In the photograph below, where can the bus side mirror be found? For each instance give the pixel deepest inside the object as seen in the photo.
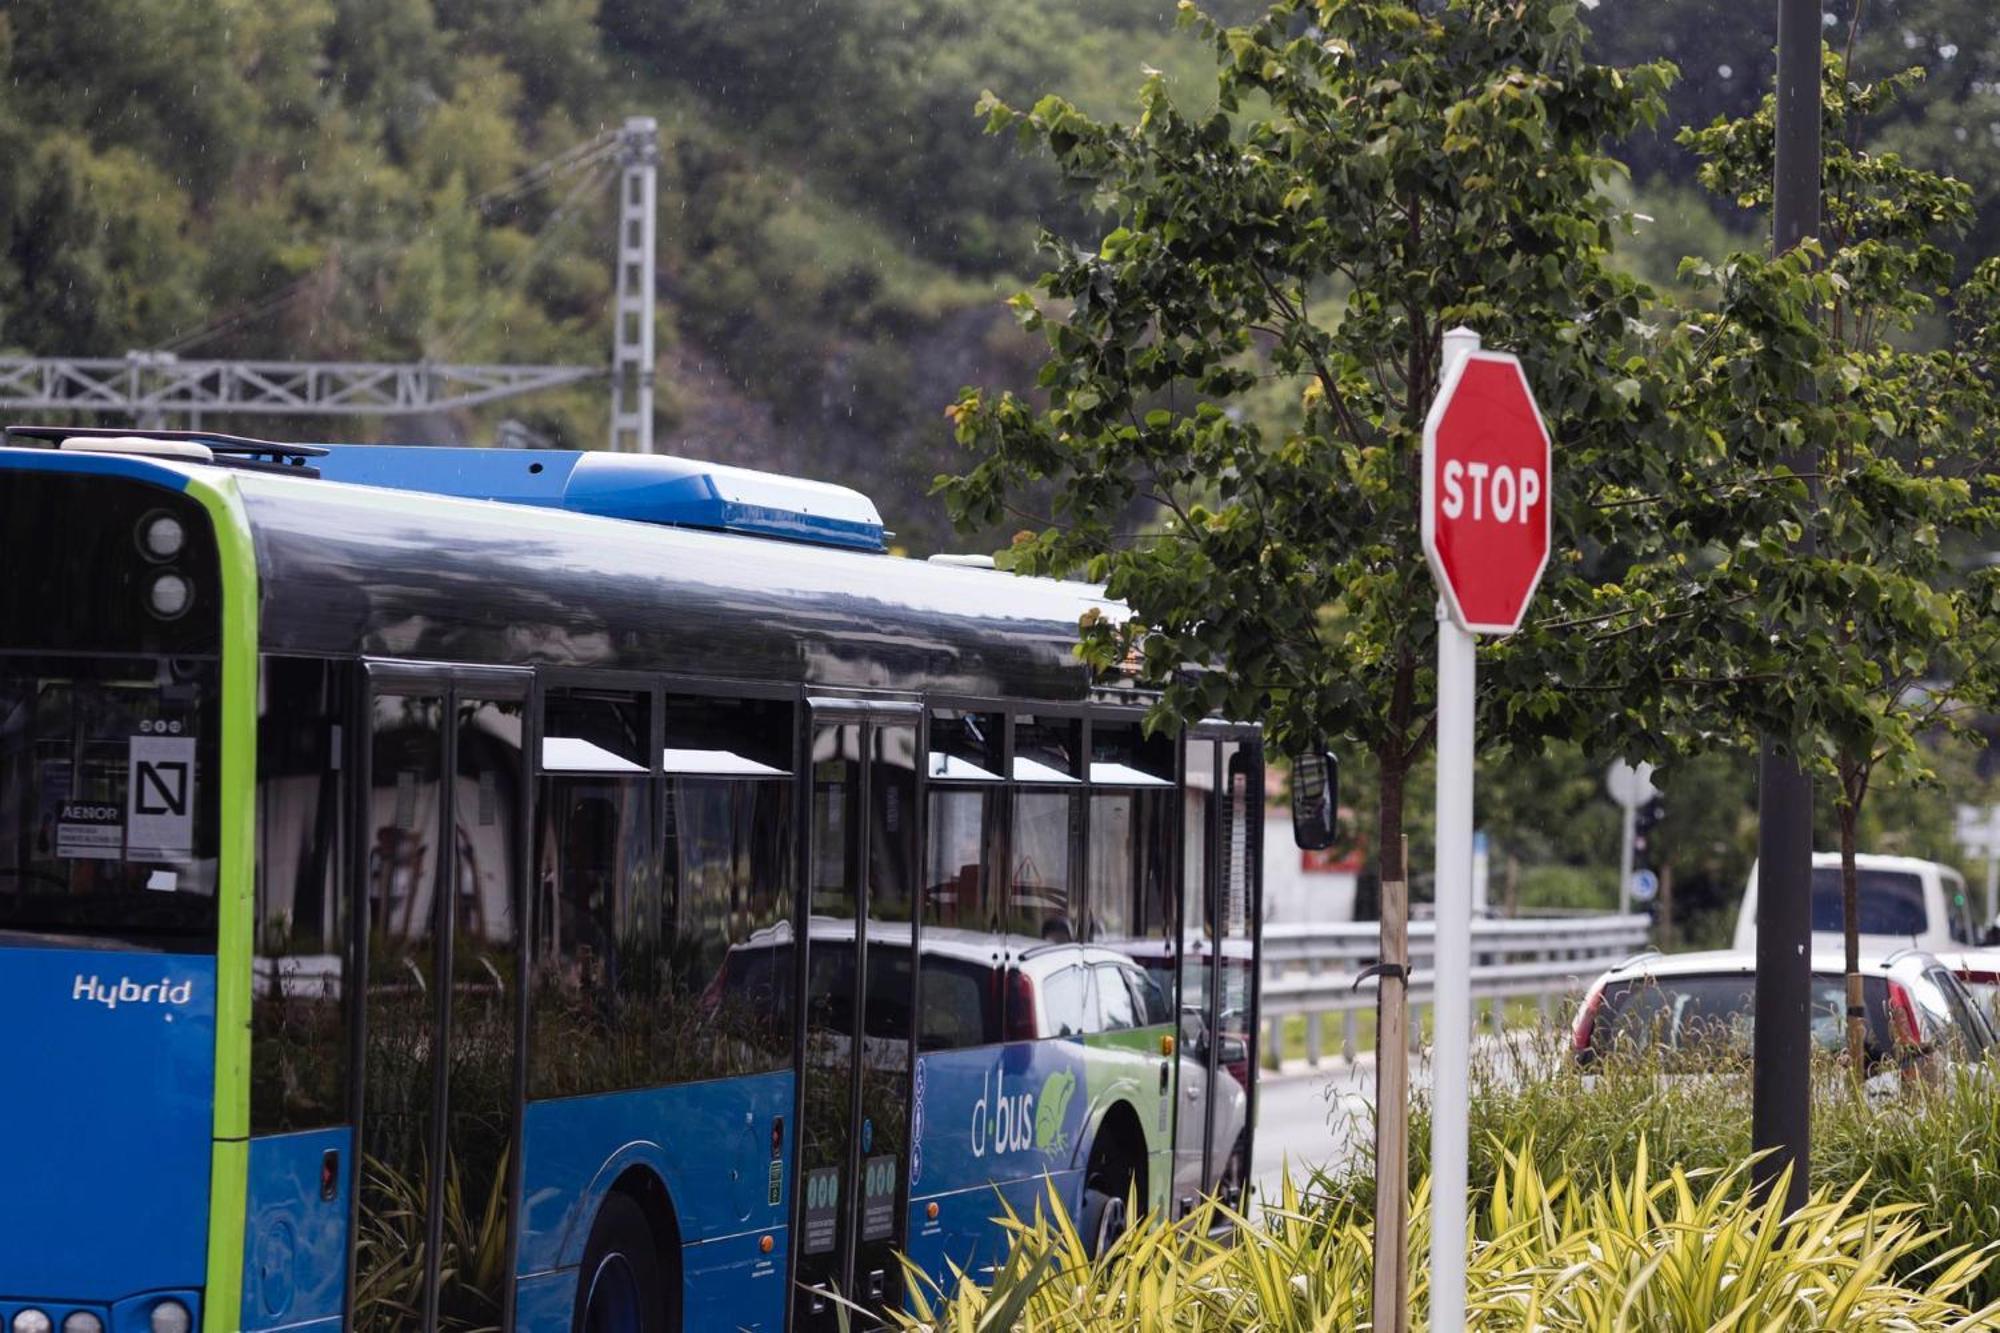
(1315, 799)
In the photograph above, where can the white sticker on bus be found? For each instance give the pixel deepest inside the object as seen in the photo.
(159, 797)
(86, 831)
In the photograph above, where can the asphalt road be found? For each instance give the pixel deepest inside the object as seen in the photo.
(1310, 1119)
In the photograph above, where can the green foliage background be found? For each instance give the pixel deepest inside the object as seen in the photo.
(835, 227)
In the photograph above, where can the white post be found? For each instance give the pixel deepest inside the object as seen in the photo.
(1630, 804)
(1451, 1053)
(1992, 866)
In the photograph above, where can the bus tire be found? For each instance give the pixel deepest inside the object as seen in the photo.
(619, 1288)
(1108, 1185)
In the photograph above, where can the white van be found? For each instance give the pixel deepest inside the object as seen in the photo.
(1904, 903)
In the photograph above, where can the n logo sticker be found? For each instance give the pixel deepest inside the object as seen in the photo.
(159, 800)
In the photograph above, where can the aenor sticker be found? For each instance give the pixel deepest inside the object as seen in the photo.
(159, 797)
(87, 831)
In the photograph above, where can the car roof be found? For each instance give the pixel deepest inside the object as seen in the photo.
(1718, 962)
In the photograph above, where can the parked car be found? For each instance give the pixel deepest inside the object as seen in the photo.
(1905, 903)
(1698, 1010)
(1979, 971)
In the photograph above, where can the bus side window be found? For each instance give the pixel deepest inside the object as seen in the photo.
(299, 1046)
(596, 895)
(727, 866)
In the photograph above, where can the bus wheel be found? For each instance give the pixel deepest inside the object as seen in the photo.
(619, 1288)
(1106, 1187)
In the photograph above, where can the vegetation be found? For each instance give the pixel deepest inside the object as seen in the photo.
(1640, 1247)
(1931, 1147)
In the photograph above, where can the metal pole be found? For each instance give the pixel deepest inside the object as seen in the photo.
(1631, 807)
(1992, 867)
(1782, 1045)
(1451, 1049)
(632, 308)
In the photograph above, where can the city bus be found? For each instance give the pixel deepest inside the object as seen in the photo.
(470, 889)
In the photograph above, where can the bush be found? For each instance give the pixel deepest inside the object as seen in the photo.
(1934, 1147)
(1679, 1251)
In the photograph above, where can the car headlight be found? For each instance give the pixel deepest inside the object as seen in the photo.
(32, 1321)
(83, 1321)
(171, 1317)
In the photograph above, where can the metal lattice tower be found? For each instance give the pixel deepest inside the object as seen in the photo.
(632, 314)
(152, 386)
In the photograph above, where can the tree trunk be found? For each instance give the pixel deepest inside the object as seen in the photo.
(1850, 927)
(1392, 1056)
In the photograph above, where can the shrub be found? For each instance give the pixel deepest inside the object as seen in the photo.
(1683, 1251)
(1931, 1145)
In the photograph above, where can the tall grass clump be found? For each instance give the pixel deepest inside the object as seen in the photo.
(1646, 1250)
(1931, 1143)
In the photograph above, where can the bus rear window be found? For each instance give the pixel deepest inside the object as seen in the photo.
(108, 800)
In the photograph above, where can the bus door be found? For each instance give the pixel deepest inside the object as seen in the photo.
(444, 841)
(1221, 846)
(852, 1165)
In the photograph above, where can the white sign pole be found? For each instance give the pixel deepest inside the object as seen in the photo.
(1451, 1051)
(1631, 833)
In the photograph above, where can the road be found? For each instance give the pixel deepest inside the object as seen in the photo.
(1307, 1120)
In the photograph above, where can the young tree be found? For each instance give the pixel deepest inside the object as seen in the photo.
(1374, 173)
(1883, 640)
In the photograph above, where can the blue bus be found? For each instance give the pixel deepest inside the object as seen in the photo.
(467, 889)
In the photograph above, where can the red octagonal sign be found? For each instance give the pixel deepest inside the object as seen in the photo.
(1486, 492)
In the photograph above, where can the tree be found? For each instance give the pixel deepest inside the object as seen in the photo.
(1881, 641)
(1376, 172)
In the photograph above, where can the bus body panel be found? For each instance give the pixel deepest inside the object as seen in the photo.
(349, 569)
(709, 1143)
(295, 1236)
(965, 1236)
(110, 1060)
(1008, 1118)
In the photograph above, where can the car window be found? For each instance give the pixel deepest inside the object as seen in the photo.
(1065, 1003)
(1715, 1015)
(1890, 902)
(1147, 997)
(1116, 1011)
(1957, 907)
(1966, 1025)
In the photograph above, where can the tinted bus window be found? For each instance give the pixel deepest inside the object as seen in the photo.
(109, 792)
(597, 898)
(1046, 824)
(298, 1030)
(727, 863)
(959, 892)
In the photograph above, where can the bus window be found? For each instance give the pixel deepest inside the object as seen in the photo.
(1038, 890)
(958, 883)
(726, 860)
(488, 808)
(297, 1022)
(83, 850)
(596, 898)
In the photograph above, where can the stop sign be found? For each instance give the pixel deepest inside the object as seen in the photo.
(1486, 492)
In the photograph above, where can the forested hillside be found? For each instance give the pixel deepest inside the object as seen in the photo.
(357, 179)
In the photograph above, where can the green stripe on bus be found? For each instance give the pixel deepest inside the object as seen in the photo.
(228, 1191)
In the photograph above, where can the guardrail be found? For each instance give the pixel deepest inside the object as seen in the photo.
(1312, 970)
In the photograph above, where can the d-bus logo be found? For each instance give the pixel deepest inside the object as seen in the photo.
(1010, 1122)
(111, 994)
